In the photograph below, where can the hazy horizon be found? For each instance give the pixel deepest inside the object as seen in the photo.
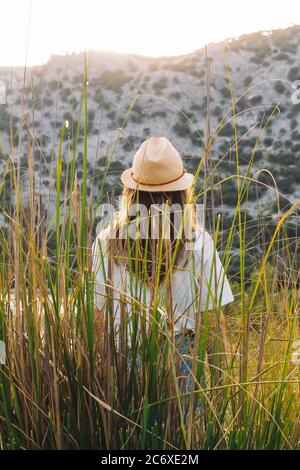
(70, 53)
(154, 29)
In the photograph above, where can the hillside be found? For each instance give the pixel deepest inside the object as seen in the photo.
(262, 67)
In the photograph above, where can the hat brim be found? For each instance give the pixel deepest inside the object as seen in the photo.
(182, 183)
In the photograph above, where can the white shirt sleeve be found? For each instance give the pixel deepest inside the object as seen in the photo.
(215, 288)
(98, 262)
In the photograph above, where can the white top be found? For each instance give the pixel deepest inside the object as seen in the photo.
(185, 283)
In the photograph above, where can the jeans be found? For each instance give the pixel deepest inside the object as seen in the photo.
(184, 342)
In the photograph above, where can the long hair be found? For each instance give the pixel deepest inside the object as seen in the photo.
(167, 228)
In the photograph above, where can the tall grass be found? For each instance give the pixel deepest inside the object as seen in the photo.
(65, 385)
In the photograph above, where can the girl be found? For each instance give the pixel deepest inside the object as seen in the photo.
(154, 257)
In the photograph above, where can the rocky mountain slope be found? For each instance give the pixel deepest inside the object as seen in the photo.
(261, 69)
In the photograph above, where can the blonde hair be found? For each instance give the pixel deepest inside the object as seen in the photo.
(143, 254)
(149, 257)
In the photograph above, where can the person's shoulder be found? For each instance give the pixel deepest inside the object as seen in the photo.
(202, 246)
(202, 239)
(100, 240)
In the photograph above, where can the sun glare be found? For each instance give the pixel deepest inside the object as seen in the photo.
(169, 27)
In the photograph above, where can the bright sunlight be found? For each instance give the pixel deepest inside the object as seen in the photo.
(35, 29)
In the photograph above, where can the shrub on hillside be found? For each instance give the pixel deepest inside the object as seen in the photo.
(160, 84)
(279, 87)
(225, 92)
(176, 95)
(268, 141)
(255, 100)
(6, 121)
(182, 128)
(282, 56)
(248, 80)
(286, 158)
(162, 114)
(295, 135)
(113, 80)
(285, 183)
(196, 107)
(294, 74)
(48, 102)
(65, 94)
(293, 124)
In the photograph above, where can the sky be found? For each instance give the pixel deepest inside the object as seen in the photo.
(32, 30)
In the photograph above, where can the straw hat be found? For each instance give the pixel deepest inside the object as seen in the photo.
(157, 166)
